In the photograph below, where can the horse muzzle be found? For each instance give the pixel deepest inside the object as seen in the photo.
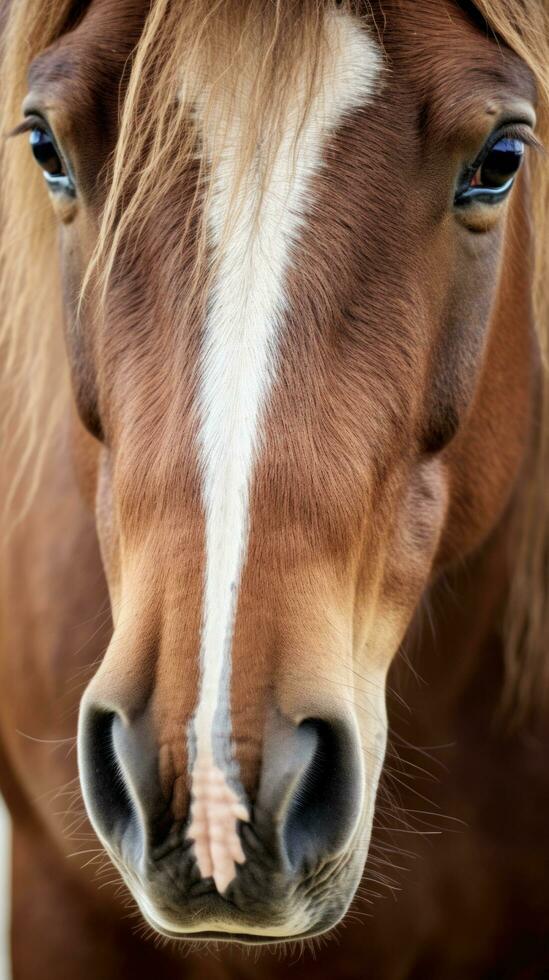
(302, 847)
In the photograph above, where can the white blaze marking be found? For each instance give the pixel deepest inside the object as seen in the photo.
(246, 311)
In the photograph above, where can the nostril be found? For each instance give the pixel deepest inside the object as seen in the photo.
(324, 805)
(105, 789)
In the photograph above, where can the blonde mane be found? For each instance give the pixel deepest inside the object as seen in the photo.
(215, 43)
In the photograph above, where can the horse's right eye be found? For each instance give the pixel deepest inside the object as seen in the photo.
(49, 160)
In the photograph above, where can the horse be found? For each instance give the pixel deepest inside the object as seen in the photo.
(275, 523)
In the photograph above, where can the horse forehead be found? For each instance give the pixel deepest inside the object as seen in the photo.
(248, 295)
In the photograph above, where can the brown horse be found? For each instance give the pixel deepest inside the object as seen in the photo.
(275, 414)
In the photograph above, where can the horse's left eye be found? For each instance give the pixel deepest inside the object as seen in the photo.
(495, 175)
(49, 159)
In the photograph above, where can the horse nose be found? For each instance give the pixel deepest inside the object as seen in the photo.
(311, 790)
(302, 813)
(118, 763)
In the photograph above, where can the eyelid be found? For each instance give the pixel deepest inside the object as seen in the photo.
(32, 121)
(518, 131)
(29, 123)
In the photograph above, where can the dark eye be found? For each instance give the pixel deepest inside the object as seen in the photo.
(49, 159)
(493, 176)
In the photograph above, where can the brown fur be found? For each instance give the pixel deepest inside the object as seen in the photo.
(399, 461)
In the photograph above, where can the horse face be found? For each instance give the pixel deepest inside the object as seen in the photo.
(278, 475)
